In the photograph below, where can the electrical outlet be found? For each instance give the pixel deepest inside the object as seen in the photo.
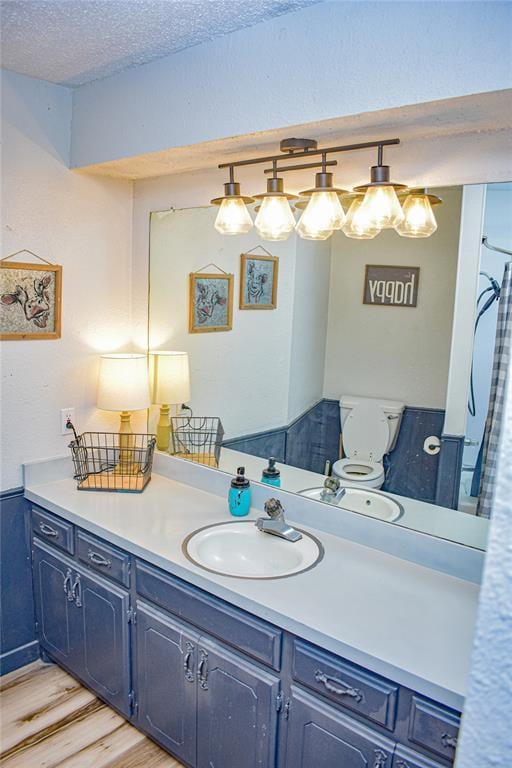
(66, 414)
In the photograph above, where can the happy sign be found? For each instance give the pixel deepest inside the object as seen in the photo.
(391, 286)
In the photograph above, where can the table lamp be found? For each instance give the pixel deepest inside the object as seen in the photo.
(123, 385)
(171, 386)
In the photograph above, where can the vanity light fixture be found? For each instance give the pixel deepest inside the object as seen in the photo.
(373, 207)
(381, 204)
(357, 222)
(274, 220)
(419, 219)
(233, 217)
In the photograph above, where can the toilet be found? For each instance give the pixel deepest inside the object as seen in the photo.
(369, 428)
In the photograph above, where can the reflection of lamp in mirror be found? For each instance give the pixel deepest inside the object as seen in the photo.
(123, 385)
(419, 219)
(171, 386)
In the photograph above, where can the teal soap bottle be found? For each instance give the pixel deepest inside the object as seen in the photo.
(239, 498)
(271, 475)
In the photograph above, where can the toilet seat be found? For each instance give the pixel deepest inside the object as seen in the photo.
(359, 471)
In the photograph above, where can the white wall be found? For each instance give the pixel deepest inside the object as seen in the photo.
(453, 49)
(84, 224)
(309, 325)
(394, 352)
(240, 375)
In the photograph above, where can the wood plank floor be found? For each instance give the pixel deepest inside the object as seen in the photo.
(48, 719)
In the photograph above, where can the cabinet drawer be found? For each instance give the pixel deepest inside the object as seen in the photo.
(254, 637)
(433, 727)
(346, 684)
(103, 558)
(54, 530)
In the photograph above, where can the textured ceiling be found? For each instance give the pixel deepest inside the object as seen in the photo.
(72, 42)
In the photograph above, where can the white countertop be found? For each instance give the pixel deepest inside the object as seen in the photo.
(405, 621)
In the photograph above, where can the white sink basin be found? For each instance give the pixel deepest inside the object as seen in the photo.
(371, 503)
(240, 549)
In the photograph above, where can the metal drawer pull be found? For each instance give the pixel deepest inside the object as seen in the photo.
(202, 670)
(47, 530)
(338, 686)
(99, 559)
(449, 742)
(67, 585)
(189, 672)
(76, 591)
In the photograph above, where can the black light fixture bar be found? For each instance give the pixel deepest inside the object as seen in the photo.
(311, 152)
(301, 167)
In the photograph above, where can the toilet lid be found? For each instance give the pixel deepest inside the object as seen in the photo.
(366, 433)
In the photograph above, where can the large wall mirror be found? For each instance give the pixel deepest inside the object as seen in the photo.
(334, 358)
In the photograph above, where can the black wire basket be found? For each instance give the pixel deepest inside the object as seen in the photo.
(109, 461)
(197, 438)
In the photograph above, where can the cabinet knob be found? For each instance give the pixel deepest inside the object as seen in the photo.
(202, 670)
(333, 685)
(47, 530)
(67, 585)
(98, 559)
(76, 591)
(187, 666)
(449, 742)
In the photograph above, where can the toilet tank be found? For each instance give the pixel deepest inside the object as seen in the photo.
(391, 410)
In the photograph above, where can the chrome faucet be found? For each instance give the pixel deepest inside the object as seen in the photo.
(332, 490)
(275, 523)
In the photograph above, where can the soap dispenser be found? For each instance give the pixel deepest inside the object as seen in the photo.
(271, 475)
(240, 494)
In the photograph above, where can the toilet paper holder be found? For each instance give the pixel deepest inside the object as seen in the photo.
(432, 445)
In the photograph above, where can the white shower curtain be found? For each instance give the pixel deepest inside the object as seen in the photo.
(500, 371)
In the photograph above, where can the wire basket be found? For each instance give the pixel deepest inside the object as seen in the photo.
(197, 438)
(109, 461)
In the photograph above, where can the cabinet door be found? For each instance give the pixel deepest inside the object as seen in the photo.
(321, 737)
(52, 592)
(166, 664)
(101, 610)
(236, 710)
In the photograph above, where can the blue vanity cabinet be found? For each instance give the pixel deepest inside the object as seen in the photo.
(407, 758)
(237, 710)
(102, 612)
(83, 623)
(58, 631)
(320, 736)
(166, 685)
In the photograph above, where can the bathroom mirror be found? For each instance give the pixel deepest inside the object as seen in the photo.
(317, 373)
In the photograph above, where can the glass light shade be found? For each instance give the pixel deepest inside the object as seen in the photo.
(170, 378)
(419, 219)
(233, 217)
(303, 230)
(382, 207)
(123, 383)
(275, 219)
(323, 212)
(357, 223)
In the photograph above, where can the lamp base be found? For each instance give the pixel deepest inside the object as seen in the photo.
(126, 465)
(163, 429)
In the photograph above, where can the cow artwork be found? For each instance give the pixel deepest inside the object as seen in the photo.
(29, 301)
(258, 282)
(211, 302)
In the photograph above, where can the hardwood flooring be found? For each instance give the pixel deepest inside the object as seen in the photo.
(48, 719)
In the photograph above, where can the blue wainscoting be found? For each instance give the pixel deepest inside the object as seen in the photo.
(18, 643)
(313, 438)
(449, 471)
(409, 470)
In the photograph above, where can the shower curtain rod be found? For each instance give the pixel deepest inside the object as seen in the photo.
(495, 248)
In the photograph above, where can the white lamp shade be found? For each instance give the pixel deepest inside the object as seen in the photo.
(171, 378)
(123, 383)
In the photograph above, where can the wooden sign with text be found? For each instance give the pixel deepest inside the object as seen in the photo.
(390, 286)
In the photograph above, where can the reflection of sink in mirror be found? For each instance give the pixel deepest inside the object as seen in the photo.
(359, 500)
(240, 549)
